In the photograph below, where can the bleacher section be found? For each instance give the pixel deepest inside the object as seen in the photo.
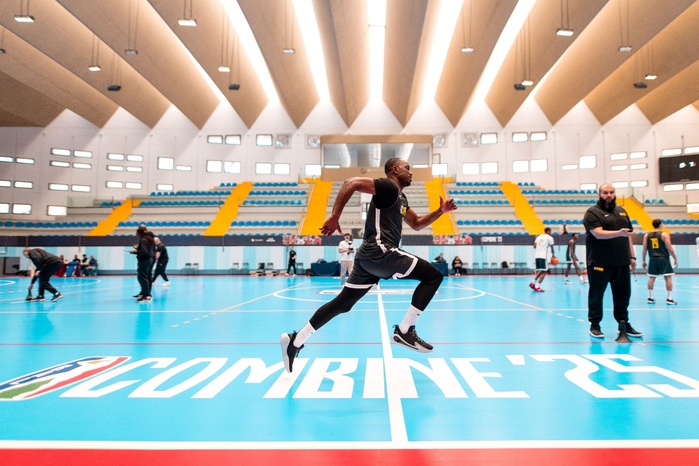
(279, 208)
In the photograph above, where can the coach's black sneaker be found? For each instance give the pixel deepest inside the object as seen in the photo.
(39, 298)
(410, 340)
(289, 351)
(596, 331)
(632, 332)
(56, 297)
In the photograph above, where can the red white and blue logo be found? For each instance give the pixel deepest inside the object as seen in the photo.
(60, 376)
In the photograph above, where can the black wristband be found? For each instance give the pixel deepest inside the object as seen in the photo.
(633, 258)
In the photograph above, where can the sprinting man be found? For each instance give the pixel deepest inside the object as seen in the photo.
(572, 260)
(542, 244)
(659, 248)
(379, 256)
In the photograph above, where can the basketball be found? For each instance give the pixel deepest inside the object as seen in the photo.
(554, 260)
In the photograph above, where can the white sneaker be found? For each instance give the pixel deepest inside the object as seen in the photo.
(567, 282)
(165, 283)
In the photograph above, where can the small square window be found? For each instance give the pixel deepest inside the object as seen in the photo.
(5, 184)
(166, 163)
(164, 187)
(638, 155)
(58, 187)
(588, 161)
(134, 158)
(80, 188)
(4, 208)
(489, 138)
(131, 185)
(115, 184)
(520, 137)
(233, 139)
(619, 156)
(113, 156)
(214, 139)
(214, 166)
(263, 168)
(61, 152)
(537, 136)
(82, 153)
(57, 210)
(264, 140)
(231, 167)
(22, 209)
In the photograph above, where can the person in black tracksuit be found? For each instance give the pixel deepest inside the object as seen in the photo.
(610, 259)
(46, 265)
(161, 260)
(145, 252)
(378, 256)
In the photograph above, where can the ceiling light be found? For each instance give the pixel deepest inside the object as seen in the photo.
(625, 48)
(131, 52)
(565, 32)
(187, 22)
(24, 18)
(224, 69)
(466, 49)
(640, 85)
(288, 51)
(527, 82)
(94, 68)
(651, 76)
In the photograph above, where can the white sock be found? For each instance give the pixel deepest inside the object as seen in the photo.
(650, 294)
(304, 334)
(669, 295)
(410, 318)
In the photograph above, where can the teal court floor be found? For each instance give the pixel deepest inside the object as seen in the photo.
(195, 377)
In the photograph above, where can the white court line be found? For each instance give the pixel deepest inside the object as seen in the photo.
(395, 406)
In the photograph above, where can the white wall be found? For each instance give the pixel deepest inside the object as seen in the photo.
(578, 133)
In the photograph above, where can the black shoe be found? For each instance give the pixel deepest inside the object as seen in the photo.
(56, 297)
(289, 351)
(138, 296)
(29, 297)
(632, 332)
(410, 340)
(596, 331)
(671, 301)
(145, 299)
(651, 301)
(39, 298)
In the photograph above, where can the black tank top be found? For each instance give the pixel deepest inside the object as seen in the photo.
(384, 221)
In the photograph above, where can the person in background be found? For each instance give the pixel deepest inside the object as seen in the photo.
(145, 252)
(440, 258)
(542, 244)
(83, 265)
(659, 248)
(572, 260)
(161, 260)
(378, 257)
(610, 260)
(92, 266)
(46, 265)
(456, 265)
(346, 249)
(292, 261)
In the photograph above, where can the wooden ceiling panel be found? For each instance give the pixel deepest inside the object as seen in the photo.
(536, 49)
(213, 27)
(23, 106)
(462, 71)
(34, 69)
(275, 27)
(594, 56)
(161, 59)
(343, 27)
(667, 54)
(671, 96)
